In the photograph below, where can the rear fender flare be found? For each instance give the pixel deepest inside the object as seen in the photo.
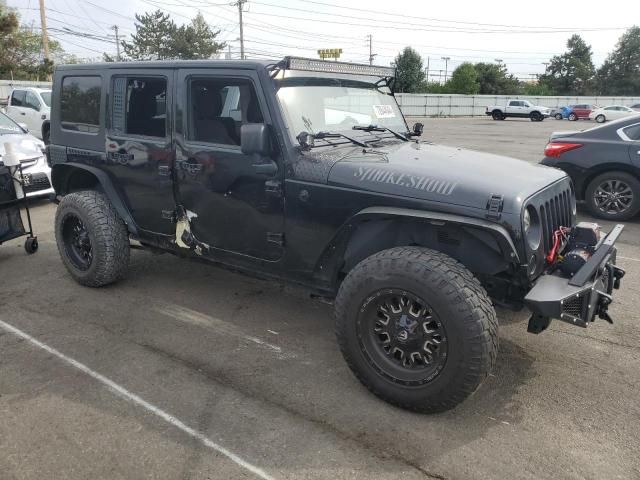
(61, 173)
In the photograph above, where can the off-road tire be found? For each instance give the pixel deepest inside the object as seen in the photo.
(106, 231)
(497, 115)
(632, 182)
(458, 299)
(573, 117)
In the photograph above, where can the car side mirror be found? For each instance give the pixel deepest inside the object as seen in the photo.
(418, 128)
(254, 139)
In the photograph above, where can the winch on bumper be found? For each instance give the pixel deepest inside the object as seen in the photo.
(578, 297)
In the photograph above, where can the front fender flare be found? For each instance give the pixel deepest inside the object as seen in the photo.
(329, 263)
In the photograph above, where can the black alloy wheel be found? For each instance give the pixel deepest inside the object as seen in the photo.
(497, 115)
(402, 337)
(77, 242)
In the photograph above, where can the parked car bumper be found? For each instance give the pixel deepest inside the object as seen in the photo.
(580, 299)
(37, 179)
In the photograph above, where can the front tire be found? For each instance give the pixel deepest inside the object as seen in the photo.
(92, 239)
(416, 328)
(600, 118)
(536, 117)
(558, 116)
(573, 117)
(613, 196)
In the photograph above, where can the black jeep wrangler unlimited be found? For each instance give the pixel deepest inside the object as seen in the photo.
(305, 171)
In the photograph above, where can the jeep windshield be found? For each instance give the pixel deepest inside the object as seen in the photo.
(315, 105)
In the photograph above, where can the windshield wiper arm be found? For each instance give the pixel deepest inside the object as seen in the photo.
(303, 138)
(376, 128)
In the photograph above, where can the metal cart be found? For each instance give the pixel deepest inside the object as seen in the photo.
(12, 198)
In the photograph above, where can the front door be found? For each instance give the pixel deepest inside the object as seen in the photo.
(24, 107)
(234, 207)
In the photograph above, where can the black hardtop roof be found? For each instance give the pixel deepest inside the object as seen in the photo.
(242, 64)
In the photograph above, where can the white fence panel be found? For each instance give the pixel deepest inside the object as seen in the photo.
(433, 105)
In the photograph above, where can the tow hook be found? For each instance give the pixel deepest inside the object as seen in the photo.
(604, 300)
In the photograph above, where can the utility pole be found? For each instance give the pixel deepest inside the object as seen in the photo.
(115, 29)
(240, 4)
(371, 54)
(43, 25)
(446, 66)
(427, 69)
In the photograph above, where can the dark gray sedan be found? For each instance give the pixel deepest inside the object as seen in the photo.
(604, 164)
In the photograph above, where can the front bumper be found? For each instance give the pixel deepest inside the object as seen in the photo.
(580, 299)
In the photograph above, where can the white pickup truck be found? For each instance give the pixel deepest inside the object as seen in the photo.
(31, 107)
(518, 108)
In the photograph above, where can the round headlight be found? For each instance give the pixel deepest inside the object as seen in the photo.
(532, 227)
(526, 221)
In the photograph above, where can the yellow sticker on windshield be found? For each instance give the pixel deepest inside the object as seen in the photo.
(383, 111)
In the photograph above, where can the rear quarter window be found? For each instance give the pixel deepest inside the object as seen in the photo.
(632, 132)
(80, 104)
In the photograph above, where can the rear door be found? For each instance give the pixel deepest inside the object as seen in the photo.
(238, 209)
(139, 144)
(514, 107)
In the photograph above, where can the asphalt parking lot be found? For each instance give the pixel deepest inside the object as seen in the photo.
(186, 371)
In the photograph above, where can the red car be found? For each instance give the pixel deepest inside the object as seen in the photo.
(581, 111)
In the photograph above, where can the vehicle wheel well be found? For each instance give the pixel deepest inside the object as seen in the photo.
(608, 168)
(496, 110)
(68, 179)
(46, 125)
(476, 248)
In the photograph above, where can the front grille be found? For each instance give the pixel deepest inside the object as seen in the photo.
(555, 211)
(39, 181)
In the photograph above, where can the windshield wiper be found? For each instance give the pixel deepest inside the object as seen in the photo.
(306, 139)
(376, 128)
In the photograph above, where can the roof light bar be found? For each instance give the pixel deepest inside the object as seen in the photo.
(311, 65)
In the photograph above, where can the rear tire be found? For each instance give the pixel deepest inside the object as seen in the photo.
(573, 117)
(558, 116)
(600, 118)
(429, 297)
(602, 205)
(92, 239)
(497, 115)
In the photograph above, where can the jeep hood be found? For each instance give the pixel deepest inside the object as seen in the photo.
(443, 174)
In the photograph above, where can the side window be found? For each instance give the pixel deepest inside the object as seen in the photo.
(139, 106)
(514, 103)
(80, 104)
(633, 132)
(18, 98)
(31, 101)
(218, 107)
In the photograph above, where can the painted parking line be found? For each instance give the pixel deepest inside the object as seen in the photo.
(133, 398)
(629, 258)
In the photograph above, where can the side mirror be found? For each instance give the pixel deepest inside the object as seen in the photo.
(24, 127)
(255, 139)
(418, 128)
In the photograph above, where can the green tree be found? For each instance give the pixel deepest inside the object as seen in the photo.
(495, 80)
(620, 72)
(21, 50)
(196, 40)
(410, 74)
(158, 37)
(153, 38)
(572, 72)
(464, 79)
